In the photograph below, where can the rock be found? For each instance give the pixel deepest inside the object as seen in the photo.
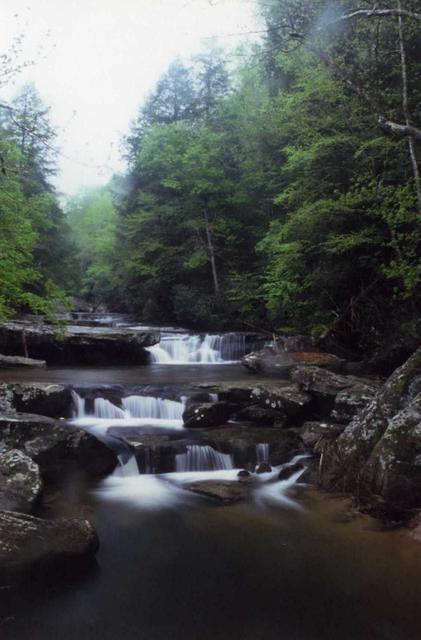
(20, 481)
(19, 361)
(289, 401)
(350, 401)
(274, 361)
(57, 448)
(313, 432)
(208, 414)
(379, 452)
(28, 542)
(263, 467)
(45, 399)
(78, 344)
(260, 416)
(225, 491)
(326, 384)
(243, 474)
(289, 470)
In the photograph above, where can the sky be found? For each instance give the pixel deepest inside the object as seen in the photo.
(95, 62)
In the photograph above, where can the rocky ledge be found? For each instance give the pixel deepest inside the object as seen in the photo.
(76, 344)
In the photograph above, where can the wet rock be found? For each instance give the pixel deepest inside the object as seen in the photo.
(350, 401)
(225, 491)
(280, 362)
(208, 414)
(263, 467)
(289, 401)
(19, 361)
(312, 432)
(28, 542)
(56, 447)
(326, 384)
(243, 474)
(289, 470)
(261, 416)
(52, 400)
(20, 481)
(379, 452)
(77, 344)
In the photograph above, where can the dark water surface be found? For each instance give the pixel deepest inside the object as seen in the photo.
(181, 568)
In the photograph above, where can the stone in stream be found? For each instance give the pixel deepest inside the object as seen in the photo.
(57, 448)
(19, 361)
(271, 360)
(20, 481)
(224, 491)
(263, 467)
(53, 400)
(289, 470)
(77, 344)
(208, 414)
(27, 542)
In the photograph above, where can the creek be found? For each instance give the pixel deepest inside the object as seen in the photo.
(287, 564)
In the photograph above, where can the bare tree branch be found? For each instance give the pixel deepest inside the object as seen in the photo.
(379, 13)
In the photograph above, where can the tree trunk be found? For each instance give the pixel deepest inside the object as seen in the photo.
(405, 108)
(211, 251)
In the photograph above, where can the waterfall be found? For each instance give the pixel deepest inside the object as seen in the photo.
(135, 410)
(202, 458)
(176, 348)
(149, 407)
(262, 452)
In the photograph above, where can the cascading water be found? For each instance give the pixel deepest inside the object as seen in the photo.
(135, 410)
(175, 348)
(202, 458)
(262, 452)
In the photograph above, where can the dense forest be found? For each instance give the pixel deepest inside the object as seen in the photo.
(280, 192)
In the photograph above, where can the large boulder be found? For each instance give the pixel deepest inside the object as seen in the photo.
(53, 400)
(208, 414)
(75, 344)
(27, 542)
(20, 481)
(56, 447)
(378, 455)
(289, 400)
(19, 361)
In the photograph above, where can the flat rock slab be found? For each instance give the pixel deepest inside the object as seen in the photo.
(75, 344)
(19, 361)
(225, 491)
(26, 541)
(41, 398)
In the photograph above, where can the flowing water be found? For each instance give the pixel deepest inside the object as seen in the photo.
(172, 565)
(179, 349)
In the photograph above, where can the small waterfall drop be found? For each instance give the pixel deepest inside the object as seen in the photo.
(145, 410)
(177, 348)
(202, 458)
(262, 452)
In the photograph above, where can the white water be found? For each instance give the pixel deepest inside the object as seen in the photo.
(135, 411)
(202, 458)
(175, 348)
(262, 452)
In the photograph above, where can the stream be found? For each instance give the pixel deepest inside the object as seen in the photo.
(172, 565)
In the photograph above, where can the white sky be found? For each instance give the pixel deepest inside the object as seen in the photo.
(99, 60)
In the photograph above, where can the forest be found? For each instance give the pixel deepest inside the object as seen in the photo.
(278, 189)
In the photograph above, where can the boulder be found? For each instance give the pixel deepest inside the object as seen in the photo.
(56, 447)
(289, 401)
(28, 542)
(20, 481)
(19, 361)
(378, 455)
(350, 401)
(75, 344)
(312, 432)
(53, 400)
(224, 491)
(208, 414)
(261, 416)
(274, 361)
